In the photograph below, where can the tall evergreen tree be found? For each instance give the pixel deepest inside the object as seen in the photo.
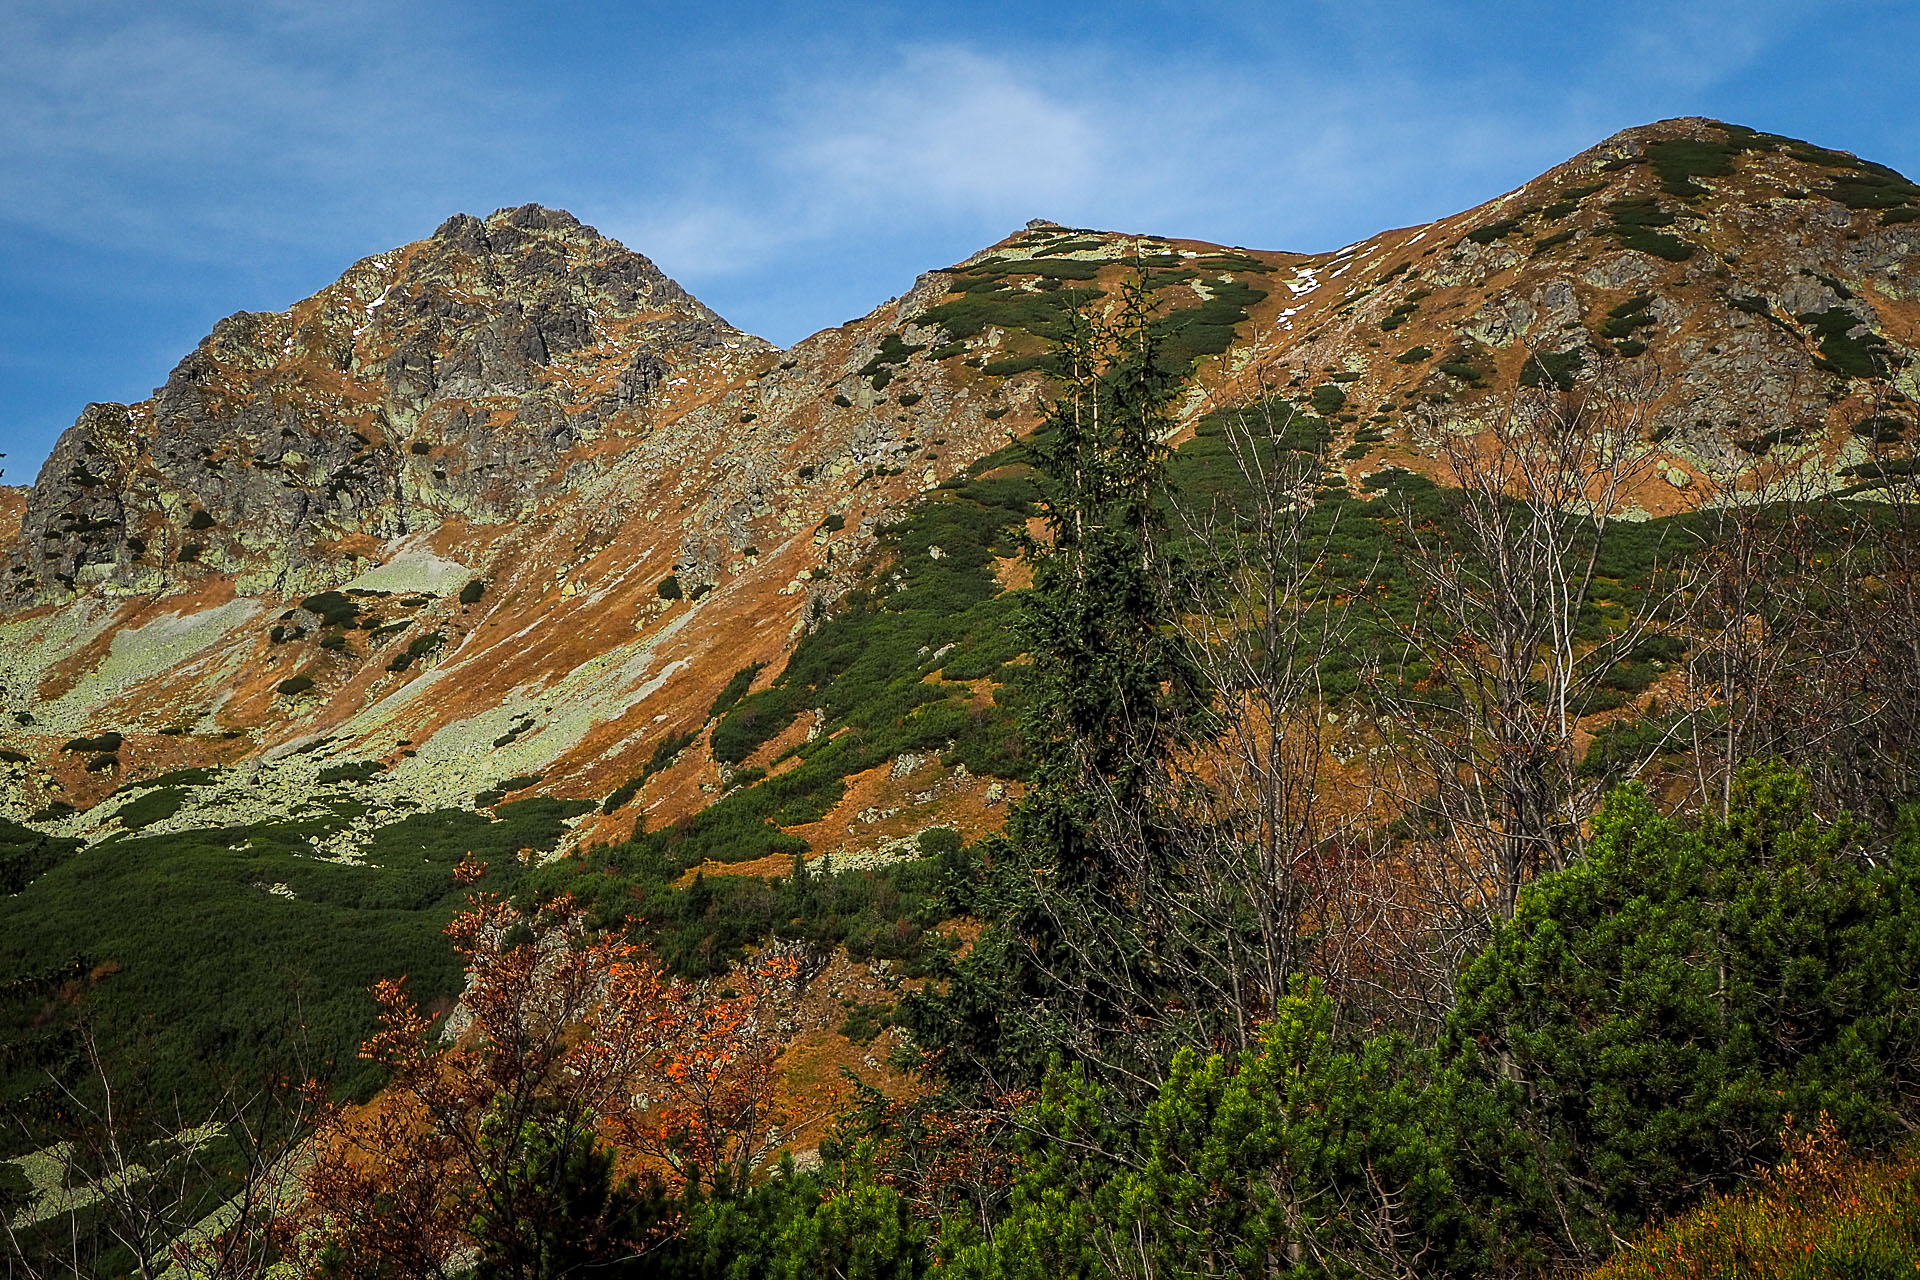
(1069, 963)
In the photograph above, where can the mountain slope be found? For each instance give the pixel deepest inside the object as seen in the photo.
(507, 504)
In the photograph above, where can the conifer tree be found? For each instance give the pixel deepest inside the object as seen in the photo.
(1069, 964)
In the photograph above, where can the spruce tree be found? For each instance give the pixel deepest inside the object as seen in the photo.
(1068, 965)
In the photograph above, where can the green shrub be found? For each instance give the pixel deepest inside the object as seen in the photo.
(334, 609)
(1629, 316)
(1545, 243)
(735, 689)
(1874, 188)
(350, 771)
(1634, 225)
(617, 798)
(1393, 319)
(1493, 231)
(206, 963)
(669, 588)
(1844, 354)
(295, 685)
(1294, 1148)
(417, 648)
(26, 854)
(1620, 746)
(893, 350)
(667, 751)
(1552, 367)
(1414, 355)
(1012, 366)
(471, 593)
(983, 299)
(1679, 161)
(1187, 334)
(1668, 1001)
(151, 807)
(109, 741)
(1328, 399)
(501, 790)
(201, 520)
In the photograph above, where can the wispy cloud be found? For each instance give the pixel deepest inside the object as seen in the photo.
(949, 136)
(952, 130)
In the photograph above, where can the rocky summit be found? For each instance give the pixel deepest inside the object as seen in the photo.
(448, 379)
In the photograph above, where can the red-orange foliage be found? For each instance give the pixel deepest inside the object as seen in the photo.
(1823, 1212)
(561, 1038)
(707, 1057)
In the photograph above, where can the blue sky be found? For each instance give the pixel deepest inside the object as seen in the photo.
(163, 165)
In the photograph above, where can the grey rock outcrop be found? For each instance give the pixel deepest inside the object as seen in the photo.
(447, 378)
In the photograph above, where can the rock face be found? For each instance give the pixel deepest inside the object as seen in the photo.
(508, 502)
(448, 378)
(1764, 286)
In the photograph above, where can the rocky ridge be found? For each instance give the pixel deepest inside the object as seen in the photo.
(508, 503)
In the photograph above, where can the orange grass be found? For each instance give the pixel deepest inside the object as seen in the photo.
(1823, 1212)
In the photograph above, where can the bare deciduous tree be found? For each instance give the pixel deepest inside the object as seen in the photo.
(1494, 669)
(1805, 623)
(160, 1187)
(1258, 622)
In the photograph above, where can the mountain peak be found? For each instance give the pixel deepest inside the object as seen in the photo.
(445, 376)
(535, 217)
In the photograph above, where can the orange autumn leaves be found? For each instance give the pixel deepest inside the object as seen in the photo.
(570, 1055)
(707, 1062)
(1824, 1211)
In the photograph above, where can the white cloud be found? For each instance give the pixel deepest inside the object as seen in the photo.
(698, 238)
(949, 129)
(951, 137)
